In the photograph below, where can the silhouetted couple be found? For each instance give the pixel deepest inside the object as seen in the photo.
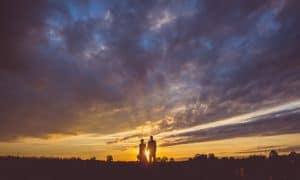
(151, 148)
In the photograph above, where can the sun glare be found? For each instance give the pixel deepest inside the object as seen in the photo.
(147, 154)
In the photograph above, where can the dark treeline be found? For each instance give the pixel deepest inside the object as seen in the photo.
(201, 167)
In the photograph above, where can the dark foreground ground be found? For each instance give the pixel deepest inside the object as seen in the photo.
(283, 168)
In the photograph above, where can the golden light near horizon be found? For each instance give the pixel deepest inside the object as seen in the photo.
(220, 148)
(87, 145)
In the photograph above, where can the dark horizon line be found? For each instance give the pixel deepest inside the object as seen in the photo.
(181, 159)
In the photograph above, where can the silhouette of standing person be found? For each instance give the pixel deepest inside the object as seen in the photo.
(142, 152)
(152, 149)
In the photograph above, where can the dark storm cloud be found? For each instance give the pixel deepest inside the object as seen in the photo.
(107, 66)
(18, 21)
(254, 65)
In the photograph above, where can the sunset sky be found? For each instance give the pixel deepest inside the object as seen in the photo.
(91, 78)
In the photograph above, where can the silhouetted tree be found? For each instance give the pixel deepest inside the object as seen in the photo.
(200, 156)
(211, 156)
(93, 158)
(109, 158)
(293, 154)
(257, 157)
(273, 154)
(164, 159)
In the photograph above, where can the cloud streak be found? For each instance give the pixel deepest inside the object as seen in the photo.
(273, 121)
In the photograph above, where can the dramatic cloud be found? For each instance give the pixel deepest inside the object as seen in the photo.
(104, 67)
(275, 122)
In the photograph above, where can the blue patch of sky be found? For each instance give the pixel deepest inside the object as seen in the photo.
(235, 42)
(54, 38)
(188, 7)
(257, 38)
(57, 20)
(55, 23)
(242, 42)
(150, 41)
(99, 38)
(97, 8)
(46, 49)
(199, 47)
(84, 11)
(224, 72)
(267, 24)
(74, 11)
(246, 45)
(207, 43)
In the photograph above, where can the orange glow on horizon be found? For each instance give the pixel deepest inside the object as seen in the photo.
(221, 148)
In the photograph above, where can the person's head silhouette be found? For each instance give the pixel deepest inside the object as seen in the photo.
(151, 138)
(142, 141)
